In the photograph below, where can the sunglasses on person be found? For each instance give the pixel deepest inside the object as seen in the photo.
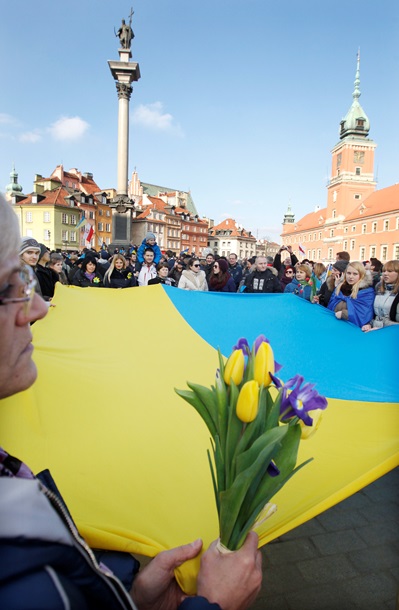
(22, 291)
(196, 265)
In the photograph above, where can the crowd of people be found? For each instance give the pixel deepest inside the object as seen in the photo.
(365, 293)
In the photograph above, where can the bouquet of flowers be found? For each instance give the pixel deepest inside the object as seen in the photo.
(256, 422)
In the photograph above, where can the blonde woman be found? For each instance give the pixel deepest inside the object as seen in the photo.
(118, 276)
(386, 301)
(353, 297)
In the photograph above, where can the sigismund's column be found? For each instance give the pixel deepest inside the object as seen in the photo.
(124, 73)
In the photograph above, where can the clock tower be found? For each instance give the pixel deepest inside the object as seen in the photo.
(352, 172)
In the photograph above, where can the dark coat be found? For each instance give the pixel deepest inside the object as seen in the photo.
(47, 279)
(261, 282)
(277, 264)
(80, 279)
(120, 279)
(236, 274)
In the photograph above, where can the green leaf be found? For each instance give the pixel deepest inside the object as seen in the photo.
(215, 487)
(198, 405)
(219, 461)
(285, 460)
(269, 437)
(273, 415)
(234, 431)
(208, 399)
(232, 499)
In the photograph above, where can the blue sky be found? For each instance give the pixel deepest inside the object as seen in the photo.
(239, 100)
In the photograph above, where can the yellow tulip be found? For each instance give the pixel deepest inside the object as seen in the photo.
(248, 402)
(308, 431)
(234, 369)
(264, 364)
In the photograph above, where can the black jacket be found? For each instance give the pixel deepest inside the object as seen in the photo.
(261, 282)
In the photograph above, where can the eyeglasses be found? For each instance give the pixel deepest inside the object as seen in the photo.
(216, 266)
(196, 265)
(22, 291)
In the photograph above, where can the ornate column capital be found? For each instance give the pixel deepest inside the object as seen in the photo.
(124, 90)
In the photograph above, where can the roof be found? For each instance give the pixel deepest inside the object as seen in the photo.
(230, 225)
(54, 197)
(380, 202)
(153, 190)
(313, 220)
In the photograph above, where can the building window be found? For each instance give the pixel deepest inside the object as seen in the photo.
(396, 252)
(100, 226)
(358, 171)
(64, 235)
(374, 227)
(353, 228)
(362, 254)
(331, 232)
(345, 229)
(386, 225)
(357, 196)
(314, 236)
(319, 254)
(320, 235)
(73, 236)
(330, 253)
(91, 215)
(46, 216)
(334, 213)
(100, 212)
(64, 219)
(352, 244)
(28, 217)
(46, 235)
(72, 219)
(384, 253)
(345, 246)
(108, 227)
(364, 229)
(108, 213)
(372, 252)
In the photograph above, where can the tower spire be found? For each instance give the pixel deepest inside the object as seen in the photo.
(356, 122)
(356, 93)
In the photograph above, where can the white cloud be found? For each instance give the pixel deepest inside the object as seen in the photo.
(153, 117)
(68, 128)
(31, 137)
(7, 119)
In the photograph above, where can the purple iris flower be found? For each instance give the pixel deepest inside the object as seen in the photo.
(258, 342)
(243, 345)
(297, 401)
(272, 470)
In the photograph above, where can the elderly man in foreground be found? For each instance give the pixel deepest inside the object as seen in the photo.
(44, 563)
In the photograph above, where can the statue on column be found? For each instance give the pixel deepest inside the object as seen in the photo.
(125, 32)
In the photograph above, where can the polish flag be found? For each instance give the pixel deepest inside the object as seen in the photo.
(89, 232)
(301, 249)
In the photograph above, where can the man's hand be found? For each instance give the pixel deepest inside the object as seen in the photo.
(338, 314)
(232, 580)
(155, 587)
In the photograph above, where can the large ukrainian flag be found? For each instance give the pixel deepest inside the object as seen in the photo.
(129, 455)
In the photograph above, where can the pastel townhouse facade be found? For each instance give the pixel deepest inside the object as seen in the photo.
(62, 208)
(358, 218)
(228, 237)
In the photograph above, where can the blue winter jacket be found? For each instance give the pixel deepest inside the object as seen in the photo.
(46, 565)
(295, 287)
(155, 248)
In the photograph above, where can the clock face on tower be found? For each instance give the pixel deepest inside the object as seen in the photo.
(358, 156)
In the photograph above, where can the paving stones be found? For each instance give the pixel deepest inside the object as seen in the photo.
(345, 559)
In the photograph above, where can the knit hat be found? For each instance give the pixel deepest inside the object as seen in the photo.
(28, 243)
(104, 255)
(43, 250)
(149, 236)
(223, 265)
(340, 265)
